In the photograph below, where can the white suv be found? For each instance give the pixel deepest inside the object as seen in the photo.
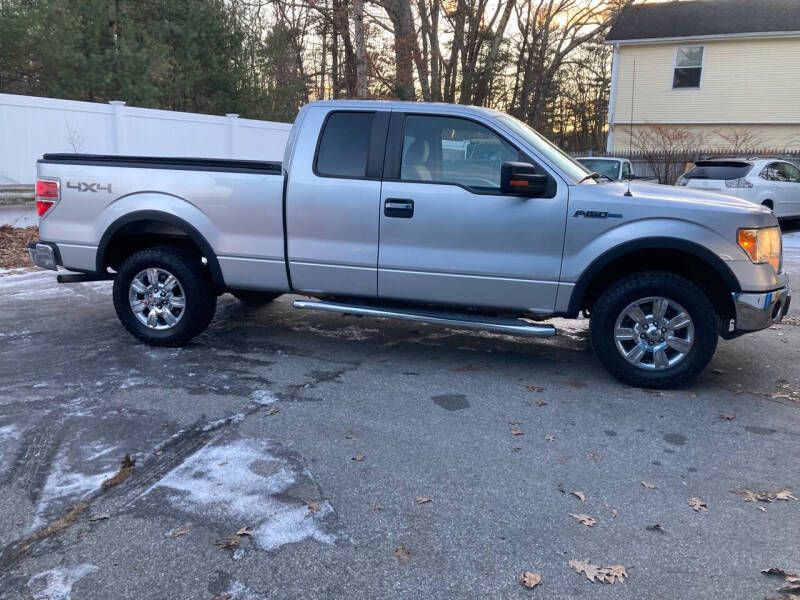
(772, 182)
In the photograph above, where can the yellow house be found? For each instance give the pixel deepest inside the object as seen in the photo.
(706, 74)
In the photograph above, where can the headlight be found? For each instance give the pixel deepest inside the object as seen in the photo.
(762, 245)
(681, 180)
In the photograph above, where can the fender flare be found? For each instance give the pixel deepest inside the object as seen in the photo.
(169, 219)
(649, 243)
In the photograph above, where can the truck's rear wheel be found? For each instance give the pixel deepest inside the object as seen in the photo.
(164, 296)
(254, 298)
(654, 329)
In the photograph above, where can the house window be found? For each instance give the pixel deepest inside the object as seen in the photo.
(688, 67)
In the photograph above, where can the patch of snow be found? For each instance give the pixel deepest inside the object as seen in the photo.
(262, 397)
(238, 591)
(239, 482)
(56, 584)
(350, 332)
(67, 486)
(237, 418)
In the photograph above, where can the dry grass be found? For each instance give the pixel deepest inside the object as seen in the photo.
(14, 246)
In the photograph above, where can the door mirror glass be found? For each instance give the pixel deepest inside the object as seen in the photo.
(521, 179)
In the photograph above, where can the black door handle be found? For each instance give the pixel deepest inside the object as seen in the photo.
(401, 208)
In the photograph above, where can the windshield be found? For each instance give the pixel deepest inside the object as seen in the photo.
(560, 159)
(609, 168)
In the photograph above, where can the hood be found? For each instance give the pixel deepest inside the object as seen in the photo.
(672, 197)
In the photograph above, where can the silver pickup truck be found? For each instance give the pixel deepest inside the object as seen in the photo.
(454, 215)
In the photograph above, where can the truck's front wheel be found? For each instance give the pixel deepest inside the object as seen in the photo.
(164, 296)
(654, 329)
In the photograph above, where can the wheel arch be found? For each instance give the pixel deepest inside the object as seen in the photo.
(154, 227)
(695, 262)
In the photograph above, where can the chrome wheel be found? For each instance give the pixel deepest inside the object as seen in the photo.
(654, 333)
(156, 298)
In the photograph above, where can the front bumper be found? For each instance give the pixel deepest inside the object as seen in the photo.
(759, 311)
(44, 255)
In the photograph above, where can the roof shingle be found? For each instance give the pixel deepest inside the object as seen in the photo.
(705, 17)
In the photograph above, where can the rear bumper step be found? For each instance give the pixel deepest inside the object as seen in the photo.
(458, 320)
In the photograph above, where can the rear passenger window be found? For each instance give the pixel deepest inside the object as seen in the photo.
(344, 144)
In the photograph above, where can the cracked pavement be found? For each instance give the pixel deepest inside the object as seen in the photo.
(256, 424)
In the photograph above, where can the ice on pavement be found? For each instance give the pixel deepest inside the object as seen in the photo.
(238, 482)
(56, 584)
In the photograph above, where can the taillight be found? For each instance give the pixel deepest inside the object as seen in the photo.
(47, 194)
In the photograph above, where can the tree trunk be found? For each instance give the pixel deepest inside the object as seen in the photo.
(361, 49)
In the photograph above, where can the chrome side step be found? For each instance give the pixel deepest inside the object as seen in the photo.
(458, 320)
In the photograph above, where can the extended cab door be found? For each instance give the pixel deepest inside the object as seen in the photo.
(448, 235)
(332, 201)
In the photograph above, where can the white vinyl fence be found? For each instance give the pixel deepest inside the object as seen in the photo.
(31, 126)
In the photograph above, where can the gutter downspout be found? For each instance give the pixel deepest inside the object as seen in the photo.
(612, 99)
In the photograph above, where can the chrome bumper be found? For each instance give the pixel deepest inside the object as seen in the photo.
(43, 255)
(759, 311)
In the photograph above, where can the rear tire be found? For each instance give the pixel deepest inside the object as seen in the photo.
(253, 298)
(640, 332)
(164, 296)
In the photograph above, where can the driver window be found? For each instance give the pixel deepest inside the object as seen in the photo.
(453, 150)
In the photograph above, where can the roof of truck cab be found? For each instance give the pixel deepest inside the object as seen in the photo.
(405, 106)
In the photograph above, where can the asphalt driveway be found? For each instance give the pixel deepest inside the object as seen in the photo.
(360, 458)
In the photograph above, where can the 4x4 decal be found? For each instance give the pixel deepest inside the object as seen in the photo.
(88, 187)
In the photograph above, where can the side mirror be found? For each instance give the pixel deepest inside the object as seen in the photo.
(521, 179)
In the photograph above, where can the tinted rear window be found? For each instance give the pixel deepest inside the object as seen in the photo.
(344, 145)
(718, 170)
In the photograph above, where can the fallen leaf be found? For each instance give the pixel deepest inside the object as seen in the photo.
(222, 464)
(655, 527)
(584, 519)
(561, 460)
(595, 456)
(692, 394)
(580, 495)
(697, 504)
(762, 509)
(83, 534)
(359, 457)
(158, 452)
(530, 580)
(403, 554)
(181, 531)
(725, 417)
(125, 471)
(717, 371)
(777, 571)
(378, 507)
(792, 584)
(273, 410)
(534, 388)
(348, 435)
(225, 596)
(244, 531)
(603, 574)
(649, 486)
(577, 384)
(614, 513)
(549, 438)
(516, 431)
(513, 422)
(768, 496)
(516, 449)
(230, 541)
(540, 403)
(313, 506)
(422, 499)
(100, 517)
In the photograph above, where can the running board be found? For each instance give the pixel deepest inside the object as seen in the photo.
(458, 320)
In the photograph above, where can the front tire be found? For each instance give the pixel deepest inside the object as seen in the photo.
(654, 330)
(164, 296)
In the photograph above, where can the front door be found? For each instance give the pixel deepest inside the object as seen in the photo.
(449, 236)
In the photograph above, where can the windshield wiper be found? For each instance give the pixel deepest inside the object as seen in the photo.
(595, 175)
